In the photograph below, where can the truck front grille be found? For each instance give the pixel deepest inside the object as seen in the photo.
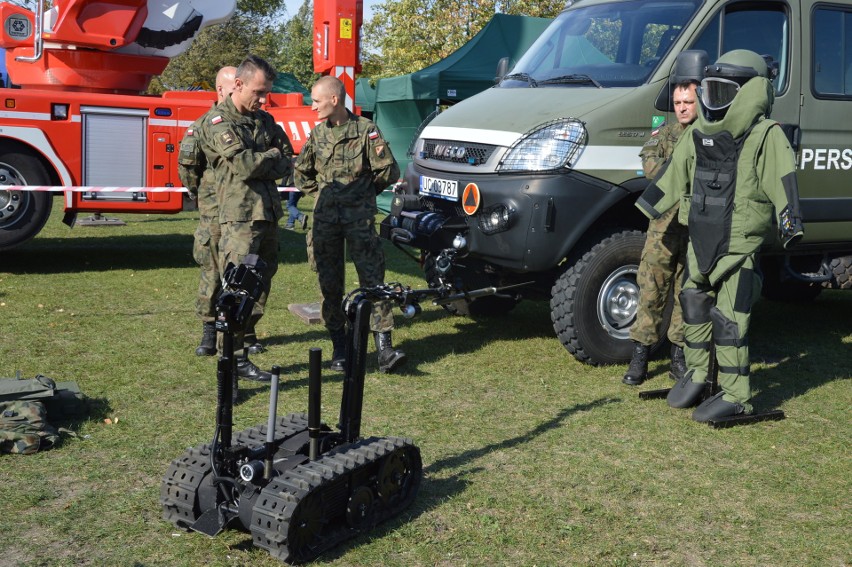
(457, 152)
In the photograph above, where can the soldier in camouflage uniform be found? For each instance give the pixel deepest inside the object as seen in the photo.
(345, 164)
(664, 253)
(197, 178)
(247, 152)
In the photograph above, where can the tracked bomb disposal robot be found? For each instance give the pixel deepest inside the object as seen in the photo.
(297, 485)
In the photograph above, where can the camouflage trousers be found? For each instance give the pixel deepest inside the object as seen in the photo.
(365, 249)
(205, 250)
(239, 239)
(660, 270)
(717, 312)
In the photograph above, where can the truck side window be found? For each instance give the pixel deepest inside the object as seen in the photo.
(832, 52)
(762, 28)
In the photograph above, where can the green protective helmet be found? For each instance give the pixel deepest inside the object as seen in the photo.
(723, 79)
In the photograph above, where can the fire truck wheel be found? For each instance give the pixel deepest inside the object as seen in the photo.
(22, 213)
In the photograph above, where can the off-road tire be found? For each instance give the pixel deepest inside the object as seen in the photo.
(593, 322)
(24, 212)
(842, 269)
(779, 287)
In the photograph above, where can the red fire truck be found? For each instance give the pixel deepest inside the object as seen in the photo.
(77, 124)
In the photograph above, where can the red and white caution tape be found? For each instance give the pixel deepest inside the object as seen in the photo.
(83, 189)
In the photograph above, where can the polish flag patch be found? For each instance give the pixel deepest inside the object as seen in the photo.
(215, 120)
(373, 135)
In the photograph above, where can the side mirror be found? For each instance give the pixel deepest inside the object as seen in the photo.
(502, 69)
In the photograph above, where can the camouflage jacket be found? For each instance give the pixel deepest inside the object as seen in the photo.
(345, 167)
(193, 171)
(246, 154)
(23, 428)
(658, 149)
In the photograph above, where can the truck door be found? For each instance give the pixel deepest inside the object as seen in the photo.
(825, 152)
(767, 28)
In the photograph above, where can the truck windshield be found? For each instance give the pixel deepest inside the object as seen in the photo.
(617, 44)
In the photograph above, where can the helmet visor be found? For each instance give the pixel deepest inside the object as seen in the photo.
(718, 93)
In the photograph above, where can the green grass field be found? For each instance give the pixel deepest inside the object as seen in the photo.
(530, 458)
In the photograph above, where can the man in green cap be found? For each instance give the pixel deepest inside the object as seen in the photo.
(734, 173)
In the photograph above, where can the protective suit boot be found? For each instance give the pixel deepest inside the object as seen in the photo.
(208, 340)
(638, 370)
(248, 370)
(678, 366)
(338, 357)
(685, 393)
(389, 358)
(715, 408)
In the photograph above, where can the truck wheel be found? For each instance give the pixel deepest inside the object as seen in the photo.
(22, 213)
(481, 307)
(842, 269)
(594, 300)
(778, 286)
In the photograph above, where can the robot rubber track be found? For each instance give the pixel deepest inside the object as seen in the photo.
(349, 490)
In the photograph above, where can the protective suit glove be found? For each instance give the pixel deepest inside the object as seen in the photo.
(790, 228)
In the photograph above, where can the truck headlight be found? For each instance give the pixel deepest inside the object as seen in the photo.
(495, 219)
(550, 146)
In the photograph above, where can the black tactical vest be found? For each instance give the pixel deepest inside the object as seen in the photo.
(713, 189)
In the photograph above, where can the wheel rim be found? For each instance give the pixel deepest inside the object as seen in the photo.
(12, 203)
(306, 527)
(394, 477)
(618, 301)
(359, 509)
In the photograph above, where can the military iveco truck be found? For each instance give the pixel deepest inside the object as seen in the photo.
(530, 185)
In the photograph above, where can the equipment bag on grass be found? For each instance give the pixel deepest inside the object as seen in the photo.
(63, 400)
(23, 428)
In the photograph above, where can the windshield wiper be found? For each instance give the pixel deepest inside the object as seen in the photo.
(567, 79)
(524, 77)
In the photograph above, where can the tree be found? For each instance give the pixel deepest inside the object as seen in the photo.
(407, 35)
(295, 45)
(250, 30)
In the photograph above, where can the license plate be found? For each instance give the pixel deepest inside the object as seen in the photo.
(441, 188)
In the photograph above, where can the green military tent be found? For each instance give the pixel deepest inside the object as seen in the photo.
(288, 83)
(365, 96)
(402, 103)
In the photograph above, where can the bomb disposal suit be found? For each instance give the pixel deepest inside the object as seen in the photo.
(730, 171)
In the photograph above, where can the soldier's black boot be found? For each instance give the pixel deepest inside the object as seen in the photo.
(250, 342)
(208, 340)
(389, 358)
(637, 372)
(678, 366)
(338, 356)
(247, 369)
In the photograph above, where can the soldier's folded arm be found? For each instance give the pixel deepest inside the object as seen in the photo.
(283, 168)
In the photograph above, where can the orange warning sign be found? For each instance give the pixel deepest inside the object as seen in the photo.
(471, 199)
